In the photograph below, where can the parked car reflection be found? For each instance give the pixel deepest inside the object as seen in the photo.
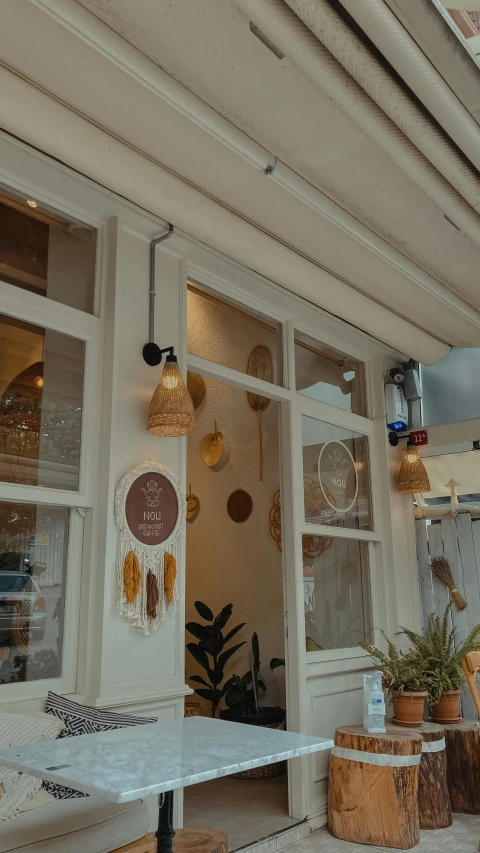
(23, 608)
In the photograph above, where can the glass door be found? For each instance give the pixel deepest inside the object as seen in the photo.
(336, 534)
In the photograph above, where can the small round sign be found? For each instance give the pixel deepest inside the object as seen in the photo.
(337, 476)
(151, 508)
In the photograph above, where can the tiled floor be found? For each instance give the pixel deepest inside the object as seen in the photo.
(247, 810)
(462, 837)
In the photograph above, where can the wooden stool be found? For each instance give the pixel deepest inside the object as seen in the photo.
(375, 803)
(185, 841)
(463, 766)
(200, 841)
(434, 809)
(147, 844)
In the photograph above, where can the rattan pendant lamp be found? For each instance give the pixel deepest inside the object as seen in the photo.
(171, 410)
(413, 477)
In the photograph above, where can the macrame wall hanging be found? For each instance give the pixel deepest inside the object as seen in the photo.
(149, 511)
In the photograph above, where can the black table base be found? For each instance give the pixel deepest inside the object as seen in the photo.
(165, 832)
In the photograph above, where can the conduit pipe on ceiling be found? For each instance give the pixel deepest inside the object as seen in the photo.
(395, 102)
(126, 57)
(52, 127)
(296, 41)
(402, 52)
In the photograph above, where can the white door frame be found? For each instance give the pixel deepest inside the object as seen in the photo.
(250, 291)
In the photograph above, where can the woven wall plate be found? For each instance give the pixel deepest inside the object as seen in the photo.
(196, 388)
(239, 506)
(211, 448)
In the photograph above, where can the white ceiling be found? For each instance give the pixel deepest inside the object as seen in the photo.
(209, 48)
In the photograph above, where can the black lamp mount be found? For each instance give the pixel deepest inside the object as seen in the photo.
(152, 354)
(394, 438)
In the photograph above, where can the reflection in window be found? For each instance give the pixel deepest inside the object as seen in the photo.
(33, 551)
(326, 375)
(41, 389)
(336, 480)
(45, 253)
(225, 333)
(336, 593)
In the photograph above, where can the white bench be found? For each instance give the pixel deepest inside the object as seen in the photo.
(85, 825)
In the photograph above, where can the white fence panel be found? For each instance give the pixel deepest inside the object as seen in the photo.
(458, 540)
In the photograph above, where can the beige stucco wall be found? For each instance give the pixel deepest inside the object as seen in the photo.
(229, 561)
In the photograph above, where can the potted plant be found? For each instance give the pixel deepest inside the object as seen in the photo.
(211, 651)
(242, 694)
(442, 655)
(404, 680)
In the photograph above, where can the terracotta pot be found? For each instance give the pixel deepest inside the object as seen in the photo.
(408, 708)
(447, 709)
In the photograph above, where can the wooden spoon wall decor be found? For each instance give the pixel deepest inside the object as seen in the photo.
(260, 365)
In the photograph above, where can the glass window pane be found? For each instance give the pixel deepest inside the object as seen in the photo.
(329, 376)
(336, 592)
(33, 553)
(225, 333)
(45, 253)
(336, 478)
(41, 388)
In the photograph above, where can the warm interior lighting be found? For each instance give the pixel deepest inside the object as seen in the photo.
(413, 477)
(171, 409)
(39, 381)
(359, 466)
(32, 203)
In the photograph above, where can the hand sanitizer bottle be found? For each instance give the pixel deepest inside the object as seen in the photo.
(373, 704)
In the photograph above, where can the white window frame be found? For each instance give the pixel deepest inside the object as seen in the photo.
(51, 315)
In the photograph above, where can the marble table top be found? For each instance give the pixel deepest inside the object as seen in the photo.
(138, 761)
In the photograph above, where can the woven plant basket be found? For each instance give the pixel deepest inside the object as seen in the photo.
(268, 771)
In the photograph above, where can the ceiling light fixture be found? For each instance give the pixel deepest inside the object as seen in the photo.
(32, 203)
(171, 409)
(266, 41)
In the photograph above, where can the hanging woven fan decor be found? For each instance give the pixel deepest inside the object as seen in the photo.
(260, 365)
(196, 388)
(193, 505)
(211, 447)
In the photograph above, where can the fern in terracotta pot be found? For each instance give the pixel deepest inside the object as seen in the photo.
(442, 655)
(404, 681)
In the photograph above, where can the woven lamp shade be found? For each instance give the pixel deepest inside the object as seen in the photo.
(413, 476)
(171, 409)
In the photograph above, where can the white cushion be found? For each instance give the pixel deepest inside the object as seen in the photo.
(18, 730)
(88, 825)
(43, 798)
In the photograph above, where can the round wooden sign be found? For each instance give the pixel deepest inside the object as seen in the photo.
(338, 476)
(151, 508)
(239, 506)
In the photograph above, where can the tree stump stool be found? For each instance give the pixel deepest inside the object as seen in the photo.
(200, 841)
(434, 809)
(373, 787)
(188, 841)
(463, 766)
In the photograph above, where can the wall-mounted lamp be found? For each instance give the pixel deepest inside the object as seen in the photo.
(413, 477)
(171, 410)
